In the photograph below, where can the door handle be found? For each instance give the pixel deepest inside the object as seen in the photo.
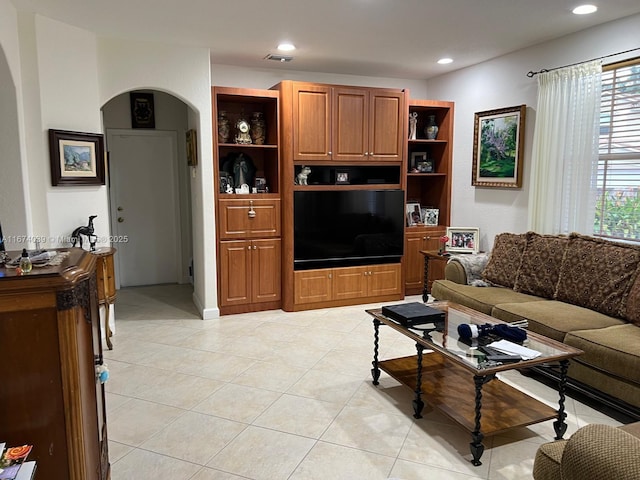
(120, 219)
(120, 209)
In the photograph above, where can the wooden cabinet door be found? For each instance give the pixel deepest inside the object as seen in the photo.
(386, 125)
(235, 281)
(384, 280)
(350, 124)
(311, 122)
(312, 286)
(413, 262)
(245, 218)
(349, 282)
(265, 270)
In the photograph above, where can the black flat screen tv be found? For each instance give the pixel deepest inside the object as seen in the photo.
(336, 228)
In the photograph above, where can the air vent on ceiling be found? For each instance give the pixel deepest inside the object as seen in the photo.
(278, 58)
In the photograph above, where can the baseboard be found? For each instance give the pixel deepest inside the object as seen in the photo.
(205, 313)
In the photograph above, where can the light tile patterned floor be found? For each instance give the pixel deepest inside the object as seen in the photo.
(284, 396)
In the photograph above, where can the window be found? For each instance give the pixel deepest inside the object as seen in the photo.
(618, 177)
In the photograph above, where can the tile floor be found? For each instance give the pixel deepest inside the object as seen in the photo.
(284, 396)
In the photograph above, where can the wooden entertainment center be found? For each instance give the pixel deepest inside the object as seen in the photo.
(357, 132)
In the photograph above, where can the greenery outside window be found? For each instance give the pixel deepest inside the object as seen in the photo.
(618, 176)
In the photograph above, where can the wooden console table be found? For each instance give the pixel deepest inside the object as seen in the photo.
(106, 286)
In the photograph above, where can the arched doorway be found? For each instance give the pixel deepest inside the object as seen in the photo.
(149, 192)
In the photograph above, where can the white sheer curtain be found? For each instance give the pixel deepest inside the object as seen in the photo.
(565, 150)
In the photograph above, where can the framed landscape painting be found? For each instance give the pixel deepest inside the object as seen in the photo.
(76, 158)
(497, 147)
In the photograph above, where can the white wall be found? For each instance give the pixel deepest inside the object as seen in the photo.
(229, 76)
(502, 82)
(185, 73)
(13, 197)
(69, 101)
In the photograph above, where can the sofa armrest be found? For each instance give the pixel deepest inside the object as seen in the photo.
(455, 272)
(601, 451)
(466, 269)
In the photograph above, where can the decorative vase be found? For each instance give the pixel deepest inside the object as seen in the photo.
(258, 128)
(431, 130)
(223, 127)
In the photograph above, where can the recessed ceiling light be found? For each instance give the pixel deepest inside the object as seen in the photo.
(286, 47)
(444, 61)
(584, 9)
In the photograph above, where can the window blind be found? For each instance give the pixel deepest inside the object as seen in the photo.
(618, 175)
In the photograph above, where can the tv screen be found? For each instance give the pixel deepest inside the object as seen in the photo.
(347, 227)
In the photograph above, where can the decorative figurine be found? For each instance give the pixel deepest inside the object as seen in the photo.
(413, 125)
(303, 176)
(87, 230)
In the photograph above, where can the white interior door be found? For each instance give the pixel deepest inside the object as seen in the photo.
(144, 209)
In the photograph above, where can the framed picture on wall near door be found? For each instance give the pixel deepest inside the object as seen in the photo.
(76, 158)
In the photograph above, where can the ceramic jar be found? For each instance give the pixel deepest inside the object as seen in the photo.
(431, 130)
(258, 128)
(223, 127)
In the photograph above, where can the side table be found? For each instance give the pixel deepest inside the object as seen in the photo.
(106, 286)
(434, 265)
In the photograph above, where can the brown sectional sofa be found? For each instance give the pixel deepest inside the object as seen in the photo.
(576, 289)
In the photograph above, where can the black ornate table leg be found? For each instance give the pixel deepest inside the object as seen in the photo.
(418, 404)
(560, 426)
(477, 448)
(375, 371)
(425, 286)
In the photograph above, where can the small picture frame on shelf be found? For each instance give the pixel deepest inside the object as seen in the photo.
(261, 185)
(414, 214)
(430, 216)
(342, 177)
(463, 239)
(415, 160)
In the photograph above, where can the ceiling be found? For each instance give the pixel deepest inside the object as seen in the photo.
(380, 38)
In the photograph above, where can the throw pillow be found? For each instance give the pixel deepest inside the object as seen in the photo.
(632, 311)
(540, 268)
(597, 274)
(505, 259)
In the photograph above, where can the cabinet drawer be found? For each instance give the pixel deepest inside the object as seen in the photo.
(245, 218)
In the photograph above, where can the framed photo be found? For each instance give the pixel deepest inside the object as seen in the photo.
(143, 112)
(342, 178)
(76, 158)
(192, 148)
(414, 214)
(416, 157)
(463, 239)
(261, 185)
(430, 216)
(498, 143)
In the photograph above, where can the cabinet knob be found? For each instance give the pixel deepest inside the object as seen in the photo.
(249, 247)
(330, 275)
(252, 212)
(329, 153)
(255, 248)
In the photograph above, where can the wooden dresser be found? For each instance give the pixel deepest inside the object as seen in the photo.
(49, 349)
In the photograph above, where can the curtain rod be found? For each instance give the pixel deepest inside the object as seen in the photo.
(532, 74)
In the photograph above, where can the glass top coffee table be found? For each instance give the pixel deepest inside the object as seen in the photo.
(453, 376)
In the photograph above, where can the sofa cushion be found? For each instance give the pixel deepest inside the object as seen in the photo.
(597, 274)
(553, 319)
(540, 267)
(613, 350)
(481, 299)
(505, 259)
(632, 308)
